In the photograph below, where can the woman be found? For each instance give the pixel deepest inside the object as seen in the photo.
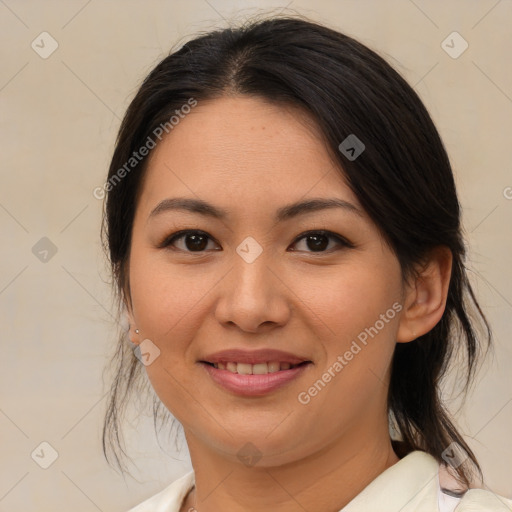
(284, 232)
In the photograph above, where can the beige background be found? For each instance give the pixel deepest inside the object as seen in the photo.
(59, 119)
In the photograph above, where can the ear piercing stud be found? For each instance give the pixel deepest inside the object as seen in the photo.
(136, 331)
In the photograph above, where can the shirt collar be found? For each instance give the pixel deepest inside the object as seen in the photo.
(409, 485)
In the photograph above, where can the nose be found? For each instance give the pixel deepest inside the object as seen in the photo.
(253, 297)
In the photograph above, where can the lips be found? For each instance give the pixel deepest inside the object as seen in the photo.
(256, 383)
(254, 373)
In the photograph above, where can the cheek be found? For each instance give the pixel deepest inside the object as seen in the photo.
(354, 312)
(166, 303)
(166, 298)
(347, 300)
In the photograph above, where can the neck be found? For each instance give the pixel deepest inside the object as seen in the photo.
(326, 480)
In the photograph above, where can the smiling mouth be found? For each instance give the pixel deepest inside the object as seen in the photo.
(255, 369)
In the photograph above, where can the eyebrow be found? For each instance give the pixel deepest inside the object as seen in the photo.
(284, 213)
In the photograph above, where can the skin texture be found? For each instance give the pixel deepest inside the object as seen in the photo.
(250, 158)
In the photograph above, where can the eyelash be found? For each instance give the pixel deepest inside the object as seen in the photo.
(168, 241)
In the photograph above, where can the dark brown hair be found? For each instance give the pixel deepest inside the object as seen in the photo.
(403, 180)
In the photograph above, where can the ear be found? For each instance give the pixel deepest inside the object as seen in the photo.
(425, 295)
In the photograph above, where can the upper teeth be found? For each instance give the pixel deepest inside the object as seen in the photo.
(253, 369)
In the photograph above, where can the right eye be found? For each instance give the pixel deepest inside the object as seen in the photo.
(192, 241)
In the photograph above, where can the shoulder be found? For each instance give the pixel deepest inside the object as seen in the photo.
(170, 499)
(482, 500)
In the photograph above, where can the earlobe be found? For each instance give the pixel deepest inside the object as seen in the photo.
(426, 295)
(133, 331)
(134, 334)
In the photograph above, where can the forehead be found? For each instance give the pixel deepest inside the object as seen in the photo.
(244, 148)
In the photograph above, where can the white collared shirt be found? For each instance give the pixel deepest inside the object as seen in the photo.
(410, 485)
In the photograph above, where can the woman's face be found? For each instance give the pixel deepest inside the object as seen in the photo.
(253, 280)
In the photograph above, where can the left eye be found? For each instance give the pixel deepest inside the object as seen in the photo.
(318, 241)
(197, 241)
